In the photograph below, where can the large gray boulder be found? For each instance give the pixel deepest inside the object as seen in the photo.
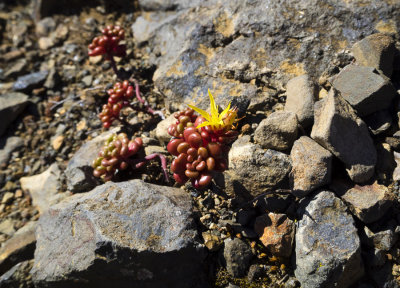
(128, 234)
(11, 105)
(364, 88)
(338, 129)
(232, 46)
(328, 250)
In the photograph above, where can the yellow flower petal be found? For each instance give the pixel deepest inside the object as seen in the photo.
(214, 108)
(223, 113)
(201, 112)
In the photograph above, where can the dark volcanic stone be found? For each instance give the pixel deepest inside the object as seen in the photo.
(128, 234)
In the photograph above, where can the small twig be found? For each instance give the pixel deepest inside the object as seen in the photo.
(144, 102)
(138, 163)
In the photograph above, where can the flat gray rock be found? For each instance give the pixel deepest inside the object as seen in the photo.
(11, 105)
(127, 234)
(30, 81)
(301, 94)
(278, 131)
(311, 166)
(365, 89)
(338, 129)
(328, 250)
(376, 50)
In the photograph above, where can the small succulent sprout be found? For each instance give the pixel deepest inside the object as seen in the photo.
(119, 97)
(108, 44)
(200, 143)
(115, 155)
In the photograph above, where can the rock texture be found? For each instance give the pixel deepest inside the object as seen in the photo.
(328, 250)
(7, 146)
(11, 105)
(368, 202)
(224, 45)
(18, 248)
(79, 171)
(237, 255)
(338, 129)
(253, 170)
(278, 131)
(276, 232)
(376, 50)
(311, 166)
(301, 94)
(119, 234)
(366, 90)
(43, 188)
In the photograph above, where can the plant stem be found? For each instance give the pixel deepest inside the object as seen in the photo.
(140, 162)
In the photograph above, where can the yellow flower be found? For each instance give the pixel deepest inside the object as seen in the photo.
(215, 120)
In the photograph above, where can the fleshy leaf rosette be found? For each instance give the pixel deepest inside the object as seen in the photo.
(119, 97)
(108, 43)
(200, 143)
(115, 155)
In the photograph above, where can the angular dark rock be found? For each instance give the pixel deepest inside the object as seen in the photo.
(121, 235)
(18, 248)
(383, 240)
(278, 131)
(236, 257)
(18, 276)
(11, 105)
(338, 129)
(328, 249)
(28, 82)
(376, 50)
(379, 122)
(301, 94)
(366, 90)
(367, 202)
(311, 166)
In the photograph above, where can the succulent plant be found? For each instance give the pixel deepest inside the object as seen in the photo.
(108, 43)
(116, 155)
(200, 143)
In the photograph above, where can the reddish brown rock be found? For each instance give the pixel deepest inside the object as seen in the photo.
(276, 232)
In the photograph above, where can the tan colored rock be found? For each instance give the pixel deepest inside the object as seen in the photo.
(276, 232)
(57, 142)
(161, 132)
(301, 94)
(311, 166)
(42, 187)
(278, 131)
(212, 242)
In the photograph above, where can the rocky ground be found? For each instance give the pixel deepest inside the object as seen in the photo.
(311, 197)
